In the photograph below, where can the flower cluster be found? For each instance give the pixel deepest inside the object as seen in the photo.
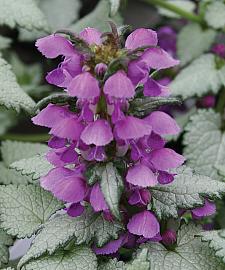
(103, 74)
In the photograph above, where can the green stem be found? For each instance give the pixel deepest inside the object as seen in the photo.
(220, 106)
(183, 13)
(25, 137)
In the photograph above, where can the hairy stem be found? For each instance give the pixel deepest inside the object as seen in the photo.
(171, 7)
(25, 137)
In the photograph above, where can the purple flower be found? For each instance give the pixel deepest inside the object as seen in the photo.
(219, 49)
(169, 237)
(167, 39)
(165, 158)
(75, 210)
(144, 224)
(140, 175)
(207, 209)
(99, 125)
(140, 197)
(119, 86)
(111, 247)
(132, 128)
(55, 45)
(98, 133)
(140, 38)
(84, 86)
(97, 199)
(162, 123)
(65, 184)
(91, 36)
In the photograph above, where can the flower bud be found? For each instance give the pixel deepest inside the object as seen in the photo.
(100, 69)
(169, 237)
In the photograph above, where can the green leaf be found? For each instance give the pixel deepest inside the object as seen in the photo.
(94, 174)
(97, 18)
(79, 258)
(199, 78)
(141, 260)
(36, 166)
(193, 41)
(8, 176)
(112, 187)
(184, 192)
(115, 5)
(186, 5)
(7, 119)
(190, 253)
(112, 265)
(216, 241)
(52, 9)
(215, 14)
(204, 143)
(24, 208)
(23, 13)
(12, 150)
(4, 43)
(11, 95)
(60, 230)
(5, 241)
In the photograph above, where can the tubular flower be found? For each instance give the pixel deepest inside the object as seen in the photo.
(102, 77)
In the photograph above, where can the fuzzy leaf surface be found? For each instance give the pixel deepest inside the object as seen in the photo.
(190, 254)
(23, 13)
(5, 241)
(97, 18)
(215, 14)
(199, 78)
(79, 258)
(36, 166)
(60, 230)
(204, 143)
(185, 192)
(24, 208)
(12, 95)
(193, 41)
(112, 187)
(12, 150)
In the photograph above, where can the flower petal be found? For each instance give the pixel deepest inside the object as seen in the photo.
(97, 199)
(65, 184)
(165, 158)
(145, 224)
(140, 175)
(157, 58)
(91, 36)
(75, 210)
(68, 128)
(111, 247)
(132, 128)
(141, 37)
(162, 123)
(119, 86)
(51, 115)
(98, 133)
(54, 45)
(138, 71)
(208, 209)
(84, 86)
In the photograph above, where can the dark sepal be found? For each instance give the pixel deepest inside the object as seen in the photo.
(143, 106)
(59, 98)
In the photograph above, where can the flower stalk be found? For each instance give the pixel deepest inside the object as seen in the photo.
(183, 13)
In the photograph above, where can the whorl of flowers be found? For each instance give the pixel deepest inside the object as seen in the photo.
(104, 74)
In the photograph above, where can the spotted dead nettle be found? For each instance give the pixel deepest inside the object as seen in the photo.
(103, 74)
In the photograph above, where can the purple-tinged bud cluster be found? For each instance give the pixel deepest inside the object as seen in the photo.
(101, 127)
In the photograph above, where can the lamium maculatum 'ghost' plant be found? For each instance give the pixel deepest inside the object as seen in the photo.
(109, 138)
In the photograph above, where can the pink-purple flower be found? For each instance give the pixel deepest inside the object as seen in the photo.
(102, 127)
